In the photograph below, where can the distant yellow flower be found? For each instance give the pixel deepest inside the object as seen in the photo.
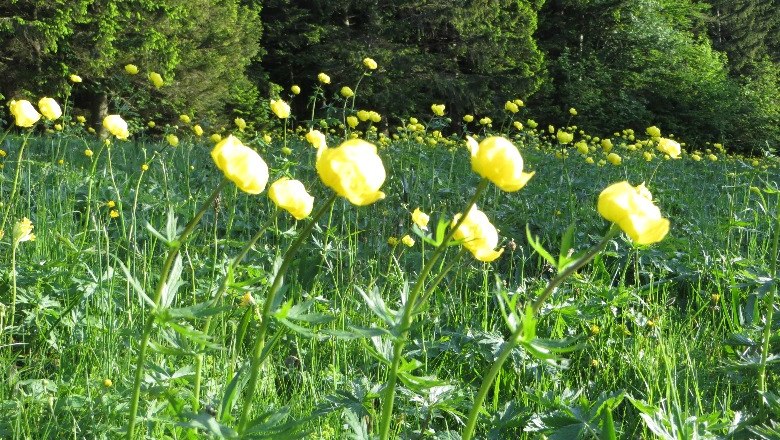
(573, 111)
(392, 241)
(564, 137)
(296, 90)
(479, 236)
(108, 383)
(110, 204)
(374, 116)
(291, 196)
(438, 109)
(407, 240)
(267, 138)
(498, 160)
(145, 167)
(241, 164)
(582, 147)
(606, 144)
(369, 63)
(420, 219)
(58, 127)
(589, 160)
(131, 69)
(518, 125)
(712, 157)
(511, 107)
(156, 79)
(323, 78)
(113, 213)
(632, 209)
(363, 115)
(519, 102)
(49, 108)
(172, 139)
(347, 92)
(614, 159)
(215, 137)
(468, 118)
(88, 152)
(23, 231)
(198, 130)
(485, 121)
(81, 119)
(240, 123)
(75, 78)
(151, 124)
(354, 170)
(280, 108)
(185, 119)
(653, 131)
(352, 121)
(116, 126)
(531, 123)
(316, 138)
(648, 156)
(668, 146)
(286, 151)
(24, 113)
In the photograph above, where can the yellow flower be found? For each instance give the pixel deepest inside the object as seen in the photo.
(156, 79)
(648, 156)
(267, 138)
(668, 146)
(519, 102)
(88, 152)
(712, 157)
(589, 160)
(392, 241)
(286, 151)
(582, 147)
(58, 127)
(116, 126)
(108, 383)
(131, 69)
(172, 139)
(614, 159)
(215, 137)
(23, 231)
(347, 92)
(564, 137)
(511, 107)
(653, 131)
(198, 130)
(496, 159)
(81, 119)
(420, 219)
(49, 108)
(485, 121)
(110, 204)
(632, 209)
(241, 164)
(316, 138)
(606, 144)
(185, 118)
(240, 123)
(151, 124)
(352, 121)
(323, 78)
(468, 118)
(295, 89)
(75, 78)
(573, 111)
(363, 115)
(291, 196)
(518, 125)
(407, 240)
(24, 113)
(479, 236)
(354, 170)
(374, 116)
(438, 109)
(369, 63)
(113, 213)
(145, 167)
(280, 108)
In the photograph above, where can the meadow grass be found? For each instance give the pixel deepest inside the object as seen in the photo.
(663, 341)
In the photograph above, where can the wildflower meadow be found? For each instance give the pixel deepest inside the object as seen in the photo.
(329, 271)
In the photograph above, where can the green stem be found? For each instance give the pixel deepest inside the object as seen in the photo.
(265, 317)
(218, 296)
(770, 301)
(406, 320)
(90, 185)
(509, 345)
(15, 187)
(13, 286)
(149, 325)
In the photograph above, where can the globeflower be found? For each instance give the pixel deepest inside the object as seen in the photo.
(354, 170)
(116, 126)
(172, 139)
(573, 111)
(614, 159)
(156, 79)
(468, 118)
(632, 209)
(369, 63)
(653, 131)
(407, 240)
(75, 78)
(241, 164)
(511, 107)
(437, 109)
(49, 108)
(564, 137)
(280, 108)
(670, 147)
(420, 219)
(291, 196)
(185, 119)
(346, 92)
(240, 123)
(131, 69)
(23, 231)
(295, 89)
(352, 121)
(197, 129)
(498, 160)
(606, 144)
(363, 115)
(479, 236)
(316, 138)
(374, 117)
(215, 137)
(323, 78)
(24, 113)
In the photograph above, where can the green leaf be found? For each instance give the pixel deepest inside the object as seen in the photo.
(209, 424)
(566, 243)
(139, 290)
(232, 390)
(537, 245)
